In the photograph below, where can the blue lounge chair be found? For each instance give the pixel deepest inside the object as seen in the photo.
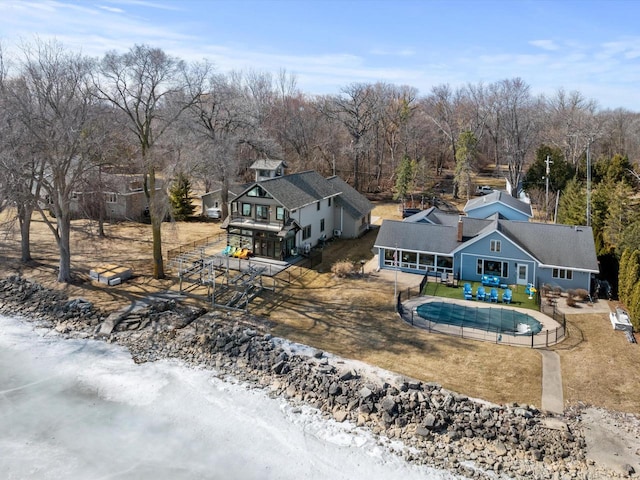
(506, 296)
(490, 280)
(468, 294)
(481, 294)
(493, 295)
(227, 250)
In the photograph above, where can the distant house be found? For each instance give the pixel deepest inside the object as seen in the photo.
(121, 196)
(279, 215)
(213, 198)
(500, 203)
(518, 252)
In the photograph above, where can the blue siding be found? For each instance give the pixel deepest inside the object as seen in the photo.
(579, 280)
(466, 260)
(485, 211)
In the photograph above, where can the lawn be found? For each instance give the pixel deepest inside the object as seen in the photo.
(354, 317)
(519, 297)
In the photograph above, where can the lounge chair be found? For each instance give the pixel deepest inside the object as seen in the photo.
(481, 294)
(506, 296)
(244, 254)
(490, 280)
(227, 250)
(468, 294)
(493, 295)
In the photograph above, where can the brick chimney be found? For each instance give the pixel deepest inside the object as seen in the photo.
(459, 228)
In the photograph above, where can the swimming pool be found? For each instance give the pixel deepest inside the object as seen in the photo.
(489, 319)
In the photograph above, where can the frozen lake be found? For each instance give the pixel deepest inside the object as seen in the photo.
(82, 409)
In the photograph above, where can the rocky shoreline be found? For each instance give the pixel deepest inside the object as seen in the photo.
(441, 428)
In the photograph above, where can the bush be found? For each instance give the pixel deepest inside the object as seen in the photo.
(571, 301)
(343, 268)
(582, 294)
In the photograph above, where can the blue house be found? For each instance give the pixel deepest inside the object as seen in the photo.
(500, 203)
(517, 252)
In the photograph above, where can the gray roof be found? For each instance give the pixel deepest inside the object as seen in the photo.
(235, 189)
(267, 164)
(423, 237)
(298, 189)
(554, 244)
(499, 196)
(551, 244)
(356, 204)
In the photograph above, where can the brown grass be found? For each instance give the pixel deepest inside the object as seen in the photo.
(353, 317)
(599, 364)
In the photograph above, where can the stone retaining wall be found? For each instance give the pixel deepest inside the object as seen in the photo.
(444, 429)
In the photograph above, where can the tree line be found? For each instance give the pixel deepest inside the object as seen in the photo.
(65, 119)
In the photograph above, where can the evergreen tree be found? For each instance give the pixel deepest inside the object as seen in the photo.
(180, 197)
(630, 238)
(560, 171)
(600, 201)
(466, 153)
(405, 177)
(617, 169)
(573, 204)
(633, 306)
(624, 288)
(617, 216)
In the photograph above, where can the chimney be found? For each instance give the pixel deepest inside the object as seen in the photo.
(459, 228)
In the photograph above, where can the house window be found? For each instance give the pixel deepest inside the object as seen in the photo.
(329, 202)
(111, 197)
(390, 257)
(426, 261)
(279, 213)
(258, 191)
(409, 259)
(495, 245)
(318, 206)
(246, 209)
(322, 225)
(444, 263)
(492, 267)
(306, 232)
(562, 274)
(262, 212)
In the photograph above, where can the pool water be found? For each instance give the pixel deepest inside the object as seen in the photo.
(490, 319)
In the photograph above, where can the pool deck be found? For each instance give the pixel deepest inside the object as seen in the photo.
(552, 400)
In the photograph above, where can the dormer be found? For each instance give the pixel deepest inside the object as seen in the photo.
(267, 168)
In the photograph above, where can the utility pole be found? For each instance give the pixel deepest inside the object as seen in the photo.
(589, 140)
(546, 176)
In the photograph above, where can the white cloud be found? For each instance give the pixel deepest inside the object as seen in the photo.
(544, 44)
(111, 9)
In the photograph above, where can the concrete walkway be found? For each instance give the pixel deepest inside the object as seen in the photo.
(552, 396)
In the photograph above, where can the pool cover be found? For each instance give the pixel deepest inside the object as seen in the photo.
(491, 319)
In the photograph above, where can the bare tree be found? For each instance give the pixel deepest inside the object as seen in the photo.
(519, 127)
(355, 110)
(52, 98)
(151, 89)
(570, 120)
(398, 107)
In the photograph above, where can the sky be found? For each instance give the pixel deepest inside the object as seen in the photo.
(584, 45)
